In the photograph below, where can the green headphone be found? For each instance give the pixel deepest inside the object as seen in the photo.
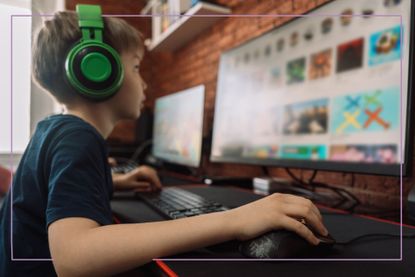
(93, 68)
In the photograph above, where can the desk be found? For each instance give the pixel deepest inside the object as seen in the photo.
(342, 227)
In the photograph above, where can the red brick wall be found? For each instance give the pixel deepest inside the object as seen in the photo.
(197, 63)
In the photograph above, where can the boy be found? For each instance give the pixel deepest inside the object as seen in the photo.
(63, 185)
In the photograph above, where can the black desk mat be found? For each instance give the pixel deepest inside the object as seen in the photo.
(343, 227)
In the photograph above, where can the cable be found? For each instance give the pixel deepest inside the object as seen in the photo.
(353, 181)
(342, 193)
(379, 212)
(140, 149)
(313, 176)
(343, 198)
(265, 170)
(301, 187)
(411, 236)
(370, 213)
(305, 185)
(131, 163)
(346, 195)
(295, 178)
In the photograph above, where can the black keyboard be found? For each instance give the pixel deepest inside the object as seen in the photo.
(124, 168)
(178, 203)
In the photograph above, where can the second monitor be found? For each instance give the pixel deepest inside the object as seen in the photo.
(178, 127)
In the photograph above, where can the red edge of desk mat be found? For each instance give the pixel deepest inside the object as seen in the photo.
(166, 269)
(116, 220)
(325, 207)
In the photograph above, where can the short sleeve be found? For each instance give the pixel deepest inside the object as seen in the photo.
(78, 183)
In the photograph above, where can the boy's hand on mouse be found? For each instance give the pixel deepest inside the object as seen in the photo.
(142, 178)
(278, 211)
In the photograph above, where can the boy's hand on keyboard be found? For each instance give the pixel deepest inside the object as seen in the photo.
(278, 211)
(142, 178)
(112, 162)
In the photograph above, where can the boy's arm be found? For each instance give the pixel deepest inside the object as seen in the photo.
(80, 247)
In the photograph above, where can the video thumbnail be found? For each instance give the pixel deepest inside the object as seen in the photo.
(320, 64)
(350, 55)
(306, 118)
(261, 152)
(385, 46)
(373, 111)
(385, 153)
(296, 71)
(304, 152)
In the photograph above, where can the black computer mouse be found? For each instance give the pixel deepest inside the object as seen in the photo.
(282, 244)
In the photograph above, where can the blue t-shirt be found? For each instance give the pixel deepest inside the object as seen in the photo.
(63, 173)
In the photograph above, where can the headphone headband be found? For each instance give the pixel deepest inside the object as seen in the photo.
(90, 22)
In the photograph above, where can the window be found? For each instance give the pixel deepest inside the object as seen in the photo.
(19, 131)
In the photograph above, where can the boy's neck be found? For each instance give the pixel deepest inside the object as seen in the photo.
(97, 116)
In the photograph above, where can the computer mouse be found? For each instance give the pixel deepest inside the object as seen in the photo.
(282, 244)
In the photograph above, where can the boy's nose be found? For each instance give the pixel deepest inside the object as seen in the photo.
(144, 84)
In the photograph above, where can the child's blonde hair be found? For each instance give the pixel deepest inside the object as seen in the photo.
(54, 41)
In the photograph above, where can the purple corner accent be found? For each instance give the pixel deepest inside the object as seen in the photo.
(11, 136)
(400, 145)
(282, 260)
(208, 15)
(248, 15)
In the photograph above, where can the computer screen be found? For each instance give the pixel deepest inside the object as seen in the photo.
(178, 127)
(321, 92)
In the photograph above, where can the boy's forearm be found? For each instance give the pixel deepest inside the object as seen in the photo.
(115, 248)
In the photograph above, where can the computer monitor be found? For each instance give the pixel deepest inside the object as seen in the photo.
(321, 92)
(178, 127)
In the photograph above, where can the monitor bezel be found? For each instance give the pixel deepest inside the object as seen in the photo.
(339, 166)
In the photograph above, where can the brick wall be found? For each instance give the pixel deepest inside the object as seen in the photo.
(197, 63)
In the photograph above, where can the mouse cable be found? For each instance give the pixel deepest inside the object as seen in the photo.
(379, 235)
(369, 213)
(380, 212)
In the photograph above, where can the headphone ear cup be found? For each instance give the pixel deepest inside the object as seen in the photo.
(94, 70)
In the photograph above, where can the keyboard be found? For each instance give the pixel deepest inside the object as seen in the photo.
(124, 168)
(177, 203)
